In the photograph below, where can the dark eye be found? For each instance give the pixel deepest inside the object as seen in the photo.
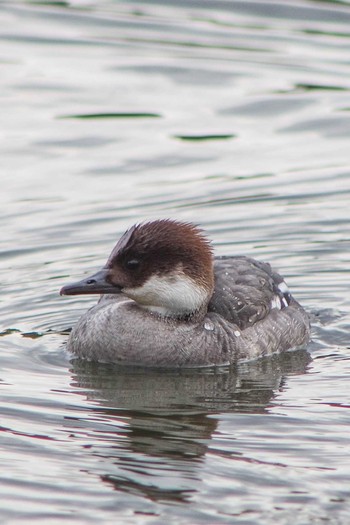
(132, 264)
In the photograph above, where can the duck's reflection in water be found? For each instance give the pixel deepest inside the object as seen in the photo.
(153, 427)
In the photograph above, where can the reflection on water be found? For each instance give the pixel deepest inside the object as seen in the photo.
(152, 421)
(233, 115)
(247, 388)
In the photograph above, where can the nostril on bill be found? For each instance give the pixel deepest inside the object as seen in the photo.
(90, 281)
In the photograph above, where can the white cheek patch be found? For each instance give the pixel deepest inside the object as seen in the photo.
(173, 294)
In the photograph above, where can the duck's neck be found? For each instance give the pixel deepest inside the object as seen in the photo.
(174, 296)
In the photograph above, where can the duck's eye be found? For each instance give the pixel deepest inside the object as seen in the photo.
(132, 264)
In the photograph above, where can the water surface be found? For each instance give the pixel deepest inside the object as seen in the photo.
(233, 115)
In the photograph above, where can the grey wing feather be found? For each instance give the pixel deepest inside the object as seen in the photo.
(246, 290)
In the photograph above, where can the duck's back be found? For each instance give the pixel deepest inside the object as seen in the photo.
(246, 290)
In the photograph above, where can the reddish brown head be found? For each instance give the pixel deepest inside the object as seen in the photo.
(164, 265)
(158, 248)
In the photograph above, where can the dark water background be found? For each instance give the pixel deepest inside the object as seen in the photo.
(231, 114)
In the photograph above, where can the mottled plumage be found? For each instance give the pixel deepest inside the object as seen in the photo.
(166, 302)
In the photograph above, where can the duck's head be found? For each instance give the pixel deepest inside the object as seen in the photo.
(165, 266)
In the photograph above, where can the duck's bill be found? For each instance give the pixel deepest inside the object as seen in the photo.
(96, 284)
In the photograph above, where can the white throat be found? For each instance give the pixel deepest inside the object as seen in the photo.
(171, 295)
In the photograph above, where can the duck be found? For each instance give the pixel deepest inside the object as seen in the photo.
(166, 301)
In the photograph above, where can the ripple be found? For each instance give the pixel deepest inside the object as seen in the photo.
(232, 115)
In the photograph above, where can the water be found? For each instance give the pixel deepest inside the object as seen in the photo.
(234, 115)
